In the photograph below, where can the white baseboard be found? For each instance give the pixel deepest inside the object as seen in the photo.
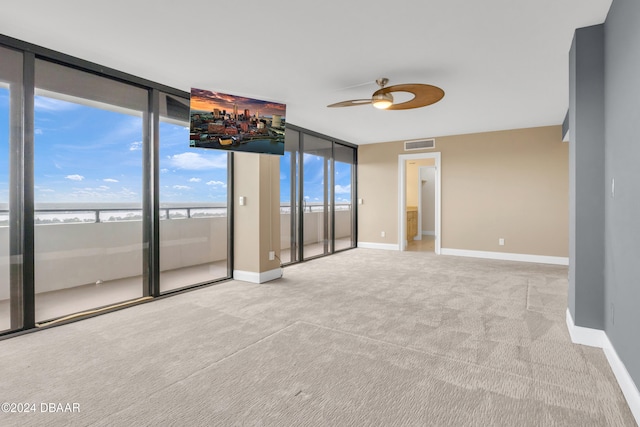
(585, 336)
(505, 256)
(598, 338)
(253, 277)
(428, 233)
(385, 246)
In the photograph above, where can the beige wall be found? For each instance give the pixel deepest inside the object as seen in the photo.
(257, 223)
(508, 184)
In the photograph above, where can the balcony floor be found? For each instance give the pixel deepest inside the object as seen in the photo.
(78, 299)
(62, 302)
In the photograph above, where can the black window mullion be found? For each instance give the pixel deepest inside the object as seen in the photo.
(293, 242)
(21, 215)
(332, 198)
(325, 211)
(301, 205)
(150, 199)
(230, 214)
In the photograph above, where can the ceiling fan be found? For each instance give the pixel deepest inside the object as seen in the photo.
(423, 95)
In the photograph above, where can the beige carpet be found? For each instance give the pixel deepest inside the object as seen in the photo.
(363, 337)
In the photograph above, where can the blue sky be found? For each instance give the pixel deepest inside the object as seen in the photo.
(87, 154)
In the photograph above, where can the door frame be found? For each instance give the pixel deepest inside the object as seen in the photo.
(402, 188)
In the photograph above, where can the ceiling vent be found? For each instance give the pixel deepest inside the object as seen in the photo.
(420, 144)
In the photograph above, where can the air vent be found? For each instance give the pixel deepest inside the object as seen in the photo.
(421, 144)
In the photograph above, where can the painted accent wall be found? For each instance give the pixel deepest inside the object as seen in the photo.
(510, 184)
(622, 156)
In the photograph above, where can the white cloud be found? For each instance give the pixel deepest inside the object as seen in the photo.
(46, 190)
(164, 170)
(135, 146)
(307, 157)
(75, 177)
(38, 131)
(342, 189)
(217, 184)
(42, 103)
(110, 180)
(196, 161)
(195, 180)
(182, 187)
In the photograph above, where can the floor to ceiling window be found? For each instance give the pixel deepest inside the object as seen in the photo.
(317, 176)
(193, 203)
(87, 190)
(10, 89)
(103, 202)
(289, 198)
(344, 182)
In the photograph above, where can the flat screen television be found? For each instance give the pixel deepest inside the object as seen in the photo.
(235, 123)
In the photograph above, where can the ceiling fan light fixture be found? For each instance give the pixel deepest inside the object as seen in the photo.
(382, 100)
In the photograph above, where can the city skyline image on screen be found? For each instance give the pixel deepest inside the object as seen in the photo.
(234, 123)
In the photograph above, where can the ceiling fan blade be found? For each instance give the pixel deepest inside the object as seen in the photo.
(351, 103)
(423, 95)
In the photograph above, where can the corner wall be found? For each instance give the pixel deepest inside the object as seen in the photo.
(586, 181)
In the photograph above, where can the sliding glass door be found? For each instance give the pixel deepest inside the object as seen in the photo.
(10, 279)
(344, 182)
(317, 176)
(88, 191)
(289, 210)
(316, 202)
(193, 204)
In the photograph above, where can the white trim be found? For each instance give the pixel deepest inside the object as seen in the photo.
(385, 246)
(253, 277)
(599, 338)
(402, 212)
(428, 233)
(628, 387)
(585, 336)
(505, 256)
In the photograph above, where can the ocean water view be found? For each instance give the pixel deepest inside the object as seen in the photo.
(66, 213)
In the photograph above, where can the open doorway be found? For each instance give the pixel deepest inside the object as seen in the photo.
(419, 202)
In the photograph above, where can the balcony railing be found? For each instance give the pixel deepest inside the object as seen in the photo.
(51, 216)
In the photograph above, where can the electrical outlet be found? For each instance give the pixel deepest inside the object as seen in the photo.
(382, 234)
(501, 241)
(272, 255)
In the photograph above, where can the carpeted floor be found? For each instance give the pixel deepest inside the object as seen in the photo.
(363, 337)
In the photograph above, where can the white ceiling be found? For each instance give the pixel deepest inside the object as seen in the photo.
(503, 64)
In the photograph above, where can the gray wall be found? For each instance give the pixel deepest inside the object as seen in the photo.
(586, 177)
(622, 225)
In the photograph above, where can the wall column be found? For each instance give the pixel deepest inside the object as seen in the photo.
(257, 220)
(586, 177)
